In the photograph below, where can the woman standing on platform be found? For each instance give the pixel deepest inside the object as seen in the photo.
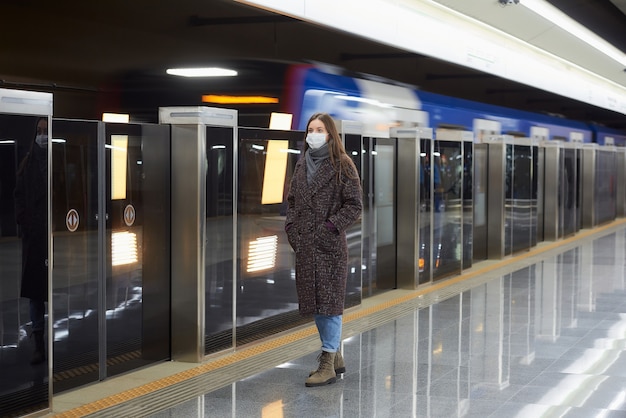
(324, 199)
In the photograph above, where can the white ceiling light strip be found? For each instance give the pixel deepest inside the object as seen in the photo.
(428, 28)
(554, 15)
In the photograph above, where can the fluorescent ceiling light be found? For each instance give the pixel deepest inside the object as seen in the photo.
(213, 98)
(202, 72)
(547, 11)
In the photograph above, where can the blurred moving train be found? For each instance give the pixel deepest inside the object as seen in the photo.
(380, 105)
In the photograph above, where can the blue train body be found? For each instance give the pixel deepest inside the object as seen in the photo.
(375, 102)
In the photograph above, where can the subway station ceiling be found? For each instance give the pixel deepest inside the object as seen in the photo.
(98, 56)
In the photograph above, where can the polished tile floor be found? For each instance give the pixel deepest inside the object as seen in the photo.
(542, 334)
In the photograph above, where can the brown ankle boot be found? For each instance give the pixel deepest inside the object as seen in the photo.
(325, 373)
(340, 365)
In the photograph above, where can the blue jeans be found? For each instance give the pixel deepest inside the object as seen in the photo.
(329, 328)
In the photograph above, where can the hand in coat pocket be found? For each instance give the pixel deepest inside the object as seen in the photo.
(327, 239)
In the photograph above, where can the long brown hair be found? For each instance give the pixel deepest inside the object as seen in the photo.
(340, 160)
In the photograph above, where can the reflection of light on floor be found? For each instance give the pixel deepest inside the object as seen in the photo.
(262, 253)
(273, 409)
(617, 402)
(123, 248)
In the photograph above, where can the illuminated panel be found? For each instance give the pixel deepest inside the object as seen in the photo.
(275, 172)
(119, 153)
(262, 253)
(115, 117)
(280, 121)
(123, 248)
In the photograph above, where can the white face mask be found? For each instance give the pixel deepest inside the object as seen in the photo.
(316, 139)
(42, 140)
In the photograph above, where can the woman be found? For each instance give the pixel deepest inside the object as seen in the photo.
(324, 199)
(31, 212)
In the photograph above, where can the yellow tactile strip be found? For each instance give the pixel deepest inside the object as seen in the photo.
(290, 337)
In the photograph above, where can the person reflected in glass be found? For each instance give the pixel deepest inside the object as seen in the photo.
(323, 200)
(31, 201)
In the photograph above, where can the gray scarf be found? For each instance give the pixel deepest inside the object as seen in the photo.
(314, 158)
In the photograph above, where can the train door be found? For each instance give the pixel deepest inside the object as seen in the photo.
(110, 215)
(25, 291)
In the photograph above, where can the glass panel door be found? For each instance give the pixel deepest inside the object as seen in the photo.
(266, 299)
(534, 194)
(383, 168)
(220, 240)
(353, 145)
(136, 288)
(24, 367)
(570, 191)
(76, 253)
(508, 199)
(468, 203)
(430, 181)
(368, 279)
(521, 198)
(605, 187)
(480, 189)
(111, 249)
(448, 210)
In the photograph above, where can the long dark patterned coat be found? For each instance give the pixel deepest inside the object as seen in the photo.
(321, 254)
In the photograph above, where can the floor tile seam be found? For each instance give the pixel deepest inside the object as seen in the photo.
(279, 342)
